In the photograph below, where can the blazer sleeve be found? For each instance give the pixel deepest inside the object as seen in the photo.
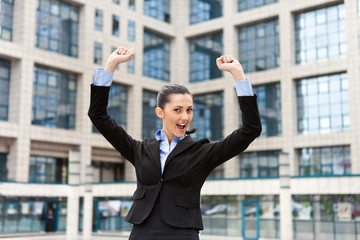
(113, 132)
(235, 143)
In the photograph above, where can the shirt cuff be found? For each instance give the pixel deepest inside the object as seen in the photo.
(103, 78)
(244, 88)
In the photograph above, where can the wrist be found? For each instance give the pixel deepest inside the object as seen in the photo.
(110, 66)
(238, 75)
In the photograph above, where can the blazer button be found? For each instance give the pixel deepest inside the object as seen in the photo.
(161, 181)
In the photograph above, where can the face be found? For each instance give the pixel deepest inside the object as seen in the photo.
(177, 115)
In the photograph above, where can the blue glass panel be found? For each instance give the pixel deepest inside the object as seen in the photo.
(244, 5)
(259, 164)
(4, 88)
(159, 9)
(132, 5)
(208, 116)
(322, 105)
(259, 46)
(117, 105)
(57, 27)
(115, 25)
(269, 103)
(99, 19)
(54, 98)
(97, 53)
(6, 19)
(3, 167)
(151, 122)
(203, 53)
(324, 161)
(156, 59)
(203, 10)
(48, 169)
(131, 31)
(320, 35)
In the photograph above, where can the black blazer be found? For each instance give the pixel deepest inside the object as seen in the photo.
(186, 168)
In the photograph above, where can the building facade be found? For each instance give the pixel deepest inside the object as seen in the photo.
(299, 180)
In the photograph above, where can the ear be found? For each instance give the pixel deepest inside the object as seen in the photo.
(159, 112)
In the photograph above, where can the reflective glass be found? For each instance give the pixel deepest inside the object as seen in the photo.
(244, 5)
(259, 164)
(57, 27)
(6, 19)
(204, 10)
(99, 19)
(115, 25)
(259, 46)
(320, 35)
(132, 5)
(159, 9)
(322, 105)
(151, 122)
(208, 116)
(3, 167)
(48, 170)
(4, 88)
(54, 98)
(131, 31)
(324, 161)
(203, 53)
(156, 58)
(269, 102)
(97, 53)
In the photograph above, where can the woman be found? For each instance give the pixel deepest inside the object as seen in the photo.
(172, 167)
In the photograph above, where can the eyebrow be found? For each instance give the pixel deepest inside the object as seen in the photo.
(183, 107)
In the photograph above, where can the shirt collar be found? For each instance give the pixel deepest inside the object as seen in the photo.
(161, 136)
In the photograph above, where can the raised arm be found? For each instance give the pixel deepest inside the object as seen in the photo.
(114, 133)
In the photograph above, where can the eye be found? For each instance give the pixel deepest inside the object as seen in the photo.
(190, 110)
(177, 109)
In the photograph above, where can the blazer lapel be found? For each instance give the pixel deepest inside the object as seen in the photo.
(180, 147)
(154, 149)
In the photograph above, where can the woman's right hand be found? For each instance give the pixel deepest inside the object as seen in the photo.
(120, 55)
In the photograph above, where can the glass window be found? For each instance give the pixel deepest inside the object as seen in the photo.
(117, 105)
(203, 53)
(269, 102)
(324, 161)
(244, 5)
(116, 2)
(132, 5)
(131, 66)
(159, 9)
(151, 122)
(6, 19)
(259, 164)
(208, 116)
(4, 88)
(115, 25)
(320, 35)
(3, 167)
(57, 27)
(323, 104)
(99, 19)
(203, 10)
(54, 98)
(131, 31)
(259, 46)
(48, 170)
(156, 59)
(97, 53)
(108, 171)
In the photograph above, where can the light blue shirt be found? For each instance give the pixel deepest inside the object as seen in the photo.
(165, 149)
(104, 78)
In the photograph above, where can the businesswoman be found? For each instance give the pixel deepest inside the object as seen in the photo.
(172, 167)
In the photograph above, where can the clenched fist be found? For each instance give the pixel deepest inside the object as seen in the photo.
(120, 55)
(230, 64)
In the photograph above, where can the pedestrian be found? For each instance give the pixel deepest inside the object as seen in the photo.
(171, 168)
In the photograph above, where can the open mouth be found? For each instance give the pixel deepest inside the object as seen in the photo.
(181, 125)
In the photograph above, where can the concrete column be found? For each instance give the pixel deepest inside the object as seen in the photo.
(286, 225)
(72, 217)
(88, 204)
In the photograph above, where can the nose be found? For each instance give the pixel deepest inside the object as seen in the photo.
(184, 116)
